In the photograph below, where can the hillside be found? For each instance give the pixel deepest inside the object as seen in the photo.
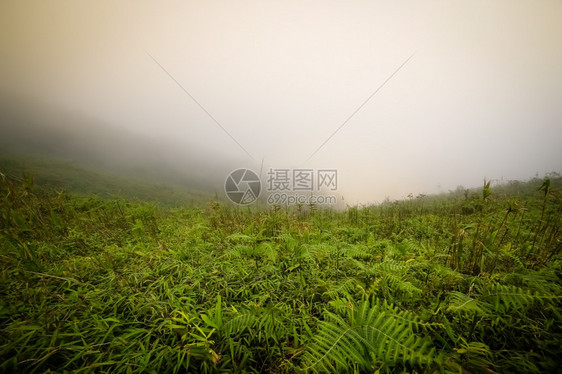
(52, 174)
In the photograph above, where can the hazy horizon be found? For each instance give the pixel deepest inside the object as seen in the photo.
(479, 97)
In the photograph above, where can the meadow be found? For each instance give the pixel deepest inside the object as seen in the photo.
(465, 282)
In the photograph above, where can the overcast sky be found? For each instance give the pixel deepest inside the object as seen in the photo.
(480, 97)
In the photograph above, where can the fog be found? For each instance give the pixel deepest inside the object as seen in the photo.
(59, 134)
(399, 96)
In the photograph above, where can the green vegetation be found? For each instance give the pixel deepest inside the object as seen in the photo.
(75, 178)
(459, 283)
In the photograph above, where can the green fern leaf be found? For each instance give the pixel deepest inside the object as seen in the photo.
(370, 336)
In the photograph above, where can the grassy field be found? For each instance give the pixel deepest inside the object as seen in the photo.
(467, 282)
(51, 174)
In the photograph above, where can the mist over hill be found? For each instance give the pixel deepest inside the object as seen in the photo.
(29, 127)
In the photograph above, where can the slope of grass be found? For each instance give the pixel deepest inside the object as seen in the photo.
(105, 285)
(54, 174)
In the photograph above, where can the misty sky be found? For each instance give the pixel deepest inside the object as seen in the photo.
(480, 98)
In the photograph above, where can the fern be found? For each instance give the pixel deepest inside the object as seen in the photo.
(474, 356)
(391, 266)
(408, 245)
(343, 306)
(238, 322)
(462, 303)
(346, 288)
(391, 276)
(503, 298)
(497, 298)
(359, 252)
(261, 323)
(396, 284)
(369, 337)
(271, 324)
(545, 280)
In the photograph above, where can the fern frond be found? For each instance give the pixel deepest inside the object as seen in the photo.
(369, 336)
(346, 288)
(345, 306)
(475, 356)
(503, 298)
(409, 245)
(239, 322)
(391, 266)
(396, 284)
(359, 252)
(271, 324)
(460, 302)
